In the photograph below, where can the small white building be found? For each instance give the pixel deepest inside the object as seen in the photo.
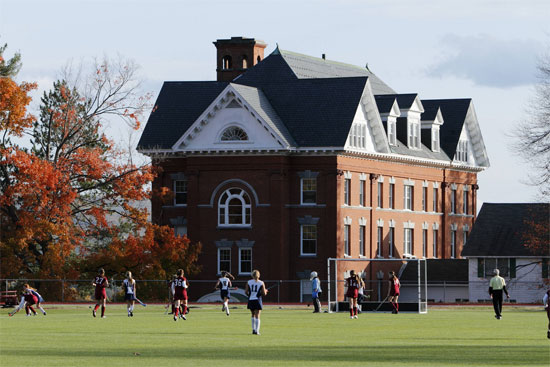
(498, 240)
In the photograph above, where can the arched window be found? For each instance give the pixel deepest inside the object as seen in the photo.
(245, 62)
(258, 59)
(226, 62)
(234, 133)
(234, 208)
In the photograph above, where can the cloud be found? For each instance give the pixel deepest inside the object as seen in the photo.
(488, 61)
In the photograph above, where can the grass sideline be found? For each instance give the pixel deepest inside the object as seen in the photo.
(291, 336)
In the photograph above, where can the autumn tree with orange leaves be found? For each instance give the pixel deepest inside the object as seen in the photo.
(68, 202)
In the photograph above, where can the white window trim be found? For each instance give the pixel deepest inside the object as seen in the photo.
(240, 261)
(453, 243)
(226, 207)
(391, 244)
(435, 233)
(408, 233)
(408, 197)
(224, 248)
(347, 239)
(302, 190)
(175, 192)
(379, 240)
(302, 253)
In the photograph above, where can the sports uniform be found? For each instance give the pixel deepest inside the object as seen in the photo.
(394, 288)
(179, 289)
(255, 296)
(225, 284)
(353, 287)
(546, 302)
(394, 292)
(101, 283)
(129, 289)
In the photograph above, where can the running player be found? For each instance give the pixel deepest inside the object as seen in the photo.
(394, 291)
(546, 302)
(353, 283)
(27, 300)
(37, 295)
(224, 284)
(100, 283)
(255, 290)
(129, 285)
(179, 289)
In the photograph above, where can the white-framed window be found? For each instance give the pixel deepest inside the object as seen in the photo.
(435, 139)
(453, 244)
(465, 202)
(486, 267)
(391, 132)
(435, 234)
(408, 197)
(461, 154)
(245, 260)
(346, 239)
(424, 243)
(224, 259)
(391, 196)
(408, 241)
(363, 136)
(379, 239)
(362, 184)
(453, 201)
(391, 242)
(180, 192)
(180, 230)
(234, 208)
(464, 237)
(380, 194)
(424, 199)
(362, 240)
(435, 199)
(309, 190)
(347, 188)
(414, 135)
(234, 133)
(308, 239)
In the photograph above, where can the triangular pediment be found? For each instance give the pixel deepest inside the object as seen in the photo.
(239, 119)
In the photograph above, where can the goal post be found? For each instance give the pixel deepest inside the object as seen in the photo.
(412, 273)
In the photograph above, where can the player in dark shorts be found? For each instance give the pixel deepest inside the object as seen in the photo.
(100, 283)
(39, 298)
(353, 283)
(129, 285)
(27, 300)
(179, 289)
(394, 291)
(255, 290)
(224, 285)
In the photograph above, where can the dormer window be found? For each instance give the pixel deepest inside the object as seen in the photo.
(391, 132)
(461, 154)
(435, 139)
(234, 133)
(414, 134)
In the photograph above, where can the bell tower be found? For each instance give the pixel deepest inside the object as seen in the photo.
(234, 56)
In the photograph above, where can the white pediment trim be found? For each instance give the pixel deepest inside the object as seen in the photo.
(476, 139)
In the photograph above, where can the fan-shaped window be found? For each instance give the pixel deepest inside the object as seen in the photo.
(234, 208)
(234, 133)
(245, 62)
(226, 62)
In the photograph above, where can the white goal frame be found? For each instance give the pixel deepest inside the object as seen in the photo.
(422, 303)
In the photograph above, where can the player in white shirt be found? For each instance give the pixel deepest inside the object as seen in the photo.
(255, 290)
(129, 285)
(224, 285)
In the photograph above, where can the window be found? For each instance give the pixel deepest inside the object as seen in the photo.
(461, 154)
(234, 133)
(545, 268)
(435, 200)
(379, 239)
(362, 240)
(347, 184)
(435, 244)
(414, 135)
(308, 233)
(245, 62)
(453, 201)
(346, 240)
(391, 132)
(424, 243)
(245, 260)
(226, 62)
(234, 208)
(258, 59)
(424, 199)
(453, 244)
(380, 193)
(224, 260)
(408, 241)
(392, 196)
(465, 202)
(180, 192)
(464, 237)
(391, 241)
(362, 192)
(309, 190)
(435, 139)
(408, 197)
(486, 266)
(363, 136)
(180, 230)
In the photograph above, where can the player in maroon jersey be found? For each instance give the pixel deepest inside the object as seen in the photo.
(353, 283)
(28, 299)
(179, 289)
(100, 283)
(394, 291)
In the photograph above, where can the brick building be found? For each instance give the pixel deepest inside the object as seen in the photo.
(286, 161)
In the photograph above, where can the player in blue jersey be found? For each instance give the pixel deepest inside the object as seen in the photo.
(129, 285)
(255, 290)
(39, 298)
(224, 285)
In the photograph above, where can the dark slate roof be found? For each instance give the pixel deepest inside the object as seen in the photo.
(405, 101)
(430, 110)
(384, 102)
(424, 151)
(177, 107)
(439, 270)
(499, 230)
(454, 113)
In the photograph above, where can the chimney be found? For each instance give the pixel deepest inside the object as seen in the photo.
(235, 55)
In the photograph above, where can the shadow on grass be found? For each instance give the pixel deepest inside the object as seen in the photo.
(430, 354)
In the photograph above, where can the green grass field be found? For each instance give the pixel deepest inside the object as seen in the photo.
(291, 336)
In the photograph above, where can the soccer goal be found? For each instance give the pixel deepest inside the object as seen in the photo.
(412, 273)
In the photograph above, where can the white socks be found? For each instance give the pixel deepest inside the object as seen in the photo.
(256, 325)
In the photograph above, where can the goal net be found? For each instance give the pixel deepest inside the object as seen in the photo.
(412, 274)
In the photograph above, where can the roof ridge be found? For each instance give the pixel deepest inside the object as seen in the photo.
(283, 52)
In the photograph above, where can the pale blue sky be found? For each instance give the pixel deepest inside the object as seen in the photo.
(482, 49)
